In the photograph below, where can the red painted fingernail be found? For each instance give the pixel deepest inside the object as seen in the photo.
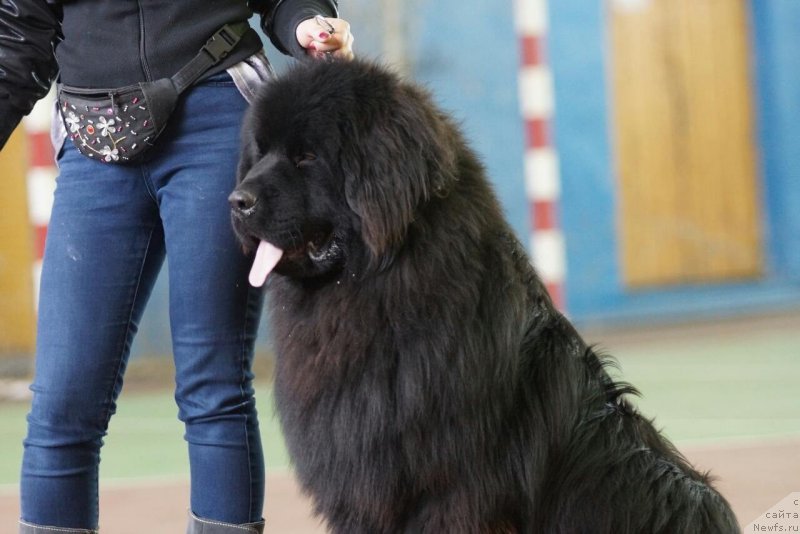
(324, 35)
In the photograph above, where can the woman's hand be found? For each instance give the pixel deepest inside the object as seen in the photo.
(322, 36)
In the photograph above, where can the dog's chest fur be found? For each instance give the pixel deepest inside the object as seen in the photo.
(392, 383)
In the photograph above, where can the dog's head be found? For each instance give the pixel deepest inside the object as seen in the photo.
(337, 159)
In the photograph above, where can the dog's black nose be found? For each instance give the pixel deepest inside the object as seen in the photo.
(242, 201)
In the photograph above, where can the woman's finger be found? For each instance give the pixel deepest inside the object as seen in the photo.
(326, 36)
(320, 29)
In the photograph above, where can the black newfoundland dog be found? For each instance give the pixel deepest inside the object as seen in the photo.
(425, 382)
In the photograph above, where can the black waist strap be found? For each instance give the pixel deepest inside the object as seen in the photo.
(216, 48)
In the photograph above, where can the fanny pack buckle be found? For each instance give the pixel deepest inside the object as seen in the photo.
(222, 42)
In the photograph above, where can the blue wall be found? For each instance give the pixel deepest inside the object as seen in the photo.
(595, 292)
(581, 130)
(467, 55)
(777, 63)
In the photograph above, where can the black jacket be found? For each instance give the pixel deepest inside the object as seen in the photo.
(104, 44)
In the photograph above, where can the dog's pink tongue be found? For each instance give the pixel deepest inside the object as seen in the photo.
(267, 257)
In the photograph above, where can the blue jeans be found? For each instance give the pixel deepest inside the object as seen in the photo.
(111, 228)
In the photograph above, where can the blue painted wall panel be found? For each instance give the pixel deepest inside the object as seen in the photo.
(467, 56)
(578, 59)
(776, 27)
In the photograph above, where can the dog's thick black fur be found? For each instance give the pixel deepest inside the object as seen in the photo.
(425, 382)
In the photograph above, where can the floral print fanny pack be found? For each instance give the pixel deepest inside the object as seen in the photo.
(118, 125)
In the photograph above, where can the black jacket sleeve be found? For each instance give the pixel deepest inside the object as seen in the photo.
(29, 31)
(280, 18)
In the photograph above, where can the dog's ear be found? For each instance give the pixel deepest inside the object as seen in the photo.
(394, 161)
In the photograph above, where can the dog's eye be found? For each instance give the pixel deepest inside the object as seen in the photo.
(305, 157)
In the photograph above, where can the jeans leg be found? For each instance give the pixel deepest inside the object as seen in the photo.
(213, 310)
(104, 249)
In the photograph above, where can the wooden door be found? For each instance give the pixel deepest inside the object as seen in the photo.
(685, 155)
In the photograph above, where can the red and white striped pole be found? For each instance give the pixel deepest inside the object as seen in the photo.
(542, 179)
(41, 178)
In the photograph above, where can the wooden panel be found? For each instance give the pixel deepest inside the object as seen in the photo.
(684, 140)
(17, 316)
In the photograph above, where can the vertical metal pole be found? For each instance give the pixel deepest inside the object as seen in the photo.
(542, 175)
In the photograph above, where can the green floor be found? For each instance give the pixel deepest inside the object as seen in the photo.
(740, 388)
(737, 386)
